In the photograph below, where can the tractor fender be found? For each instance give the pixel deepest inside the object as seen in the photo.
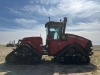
(61, 52)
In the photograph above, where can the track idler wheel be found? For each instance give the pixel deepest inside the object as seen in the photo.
(85, 60)
(61, 59)
(10, 58)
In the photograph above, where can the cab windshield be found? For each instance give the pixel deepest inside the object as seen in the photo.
(54, 33)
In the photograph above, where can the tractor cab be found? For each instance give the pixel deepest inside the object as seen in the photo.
(55, 33)
(55, 30)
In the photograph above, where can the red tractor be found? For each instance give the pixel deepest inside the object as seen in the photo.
(66, 48)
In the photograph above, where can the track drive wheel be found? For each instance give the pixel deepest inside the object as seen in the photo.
(85, 60)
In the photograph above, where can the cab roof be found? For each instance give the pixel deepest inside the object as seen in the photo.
(53, 24)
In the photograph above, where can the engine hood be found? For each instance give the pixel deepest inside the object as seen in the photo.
(67, 35)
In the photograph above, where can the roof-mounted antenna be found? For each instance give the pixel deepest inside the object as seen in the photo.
(60, 20)
(40, 35)
(49, 19)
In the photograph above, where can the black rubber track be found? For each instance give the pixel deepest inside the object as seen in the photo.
(73, 54)
(23, 55)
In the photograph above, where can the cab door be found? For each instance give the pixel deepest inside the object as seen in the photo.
(55, 46)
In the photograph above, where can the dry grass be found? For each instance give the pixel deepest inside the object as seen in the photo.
(48, 67)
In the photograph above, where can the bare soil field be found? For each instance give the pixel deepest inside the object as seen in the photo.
(49, 67)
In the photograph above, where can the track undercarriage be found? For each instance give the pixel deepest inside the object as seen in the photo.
(66, 48)
(73, 55)
(24, 55)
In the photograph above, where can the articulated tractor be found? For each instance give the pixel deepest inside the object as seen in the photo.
(64, 47)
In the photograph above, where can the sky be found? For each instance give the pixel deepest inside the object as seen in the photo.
(25, 18)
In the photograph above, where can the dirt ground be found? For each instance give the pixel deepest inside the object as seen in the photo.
(49, 67)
